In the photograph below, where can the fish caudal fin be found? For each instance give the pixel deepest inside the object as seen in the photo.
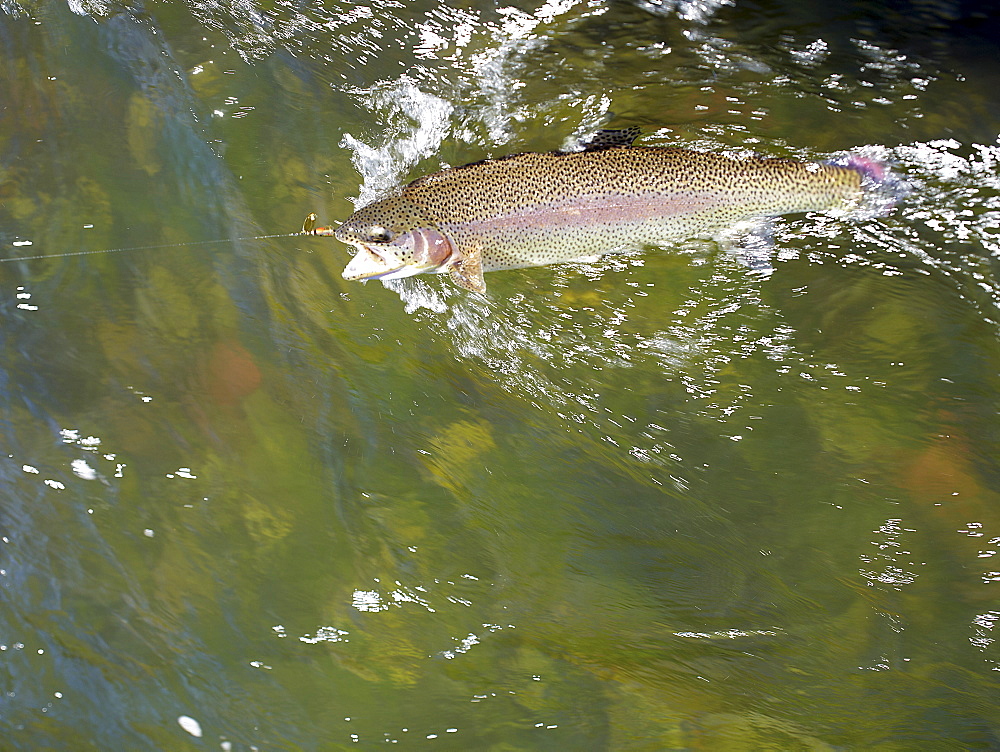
(870, 169)
(881, 188)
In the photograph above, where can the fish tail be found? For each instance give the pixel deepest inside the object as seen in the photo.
(881, 188)
(870, 169)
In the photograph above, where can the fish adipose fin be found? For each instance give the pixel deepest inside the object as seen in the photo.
(467, 271)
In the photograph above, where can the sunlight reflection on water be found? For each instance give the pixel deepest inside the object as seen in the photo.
(655, 498)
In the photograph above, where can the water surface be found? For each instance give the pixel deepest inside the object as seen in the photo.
(661, 501)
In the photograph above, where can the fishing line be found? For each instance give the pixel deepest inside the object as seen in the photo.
(147, 247)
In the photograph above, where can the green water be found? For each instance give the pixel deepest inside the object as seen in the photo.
(656, 502)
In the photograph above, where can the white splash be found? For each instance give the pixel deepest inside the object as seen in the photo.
(417, 124)
(81, 469)
(190, 725)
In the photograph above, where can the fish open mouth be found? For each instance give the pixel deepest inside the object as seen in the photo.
(416, 251)
(371, 262)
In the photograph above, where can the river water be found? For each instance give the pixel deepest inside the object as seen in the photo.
(661, 501)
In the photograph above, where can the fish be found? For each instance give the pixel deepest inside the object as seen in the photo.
(539, 208)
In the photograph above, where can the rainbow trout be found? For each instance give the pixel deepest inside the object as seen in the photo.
(543, 208)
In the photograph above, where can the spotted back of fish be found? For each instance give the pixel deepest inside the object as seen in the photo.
(539, 208)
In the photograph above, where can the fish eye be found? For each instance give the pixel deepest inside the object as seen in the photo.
(378, 234)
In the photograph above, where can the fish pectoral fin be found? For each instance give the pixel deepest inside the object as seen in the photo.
(467, 270)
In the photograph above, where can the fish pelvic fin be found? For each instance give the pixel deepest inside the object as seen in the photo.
(467, 270)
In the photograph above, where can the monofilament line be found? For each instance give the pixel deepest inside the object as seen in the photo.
(145, 247)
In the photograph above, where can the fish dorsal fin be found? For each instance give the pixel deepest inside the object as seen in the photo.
(607, 138)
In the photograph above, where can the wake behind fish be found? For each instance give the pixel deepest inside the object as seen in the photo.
(566, 358)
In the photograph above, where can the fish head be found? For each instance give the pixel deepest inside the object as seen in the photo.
(393, 240)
